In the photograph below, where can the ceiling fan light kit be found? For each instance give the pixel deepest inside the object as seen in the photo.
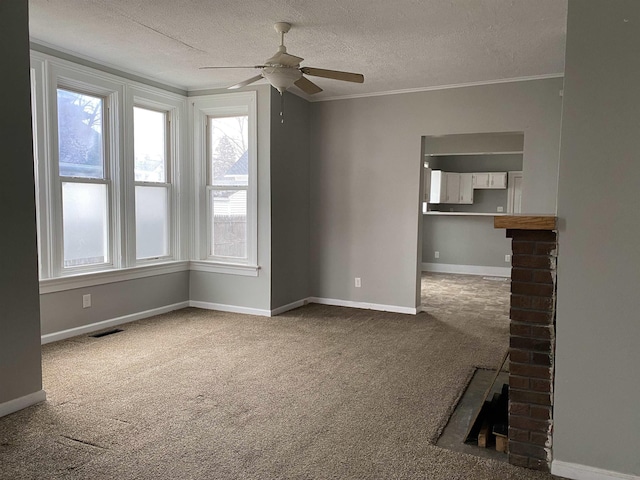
(283, 70)
(281, 78)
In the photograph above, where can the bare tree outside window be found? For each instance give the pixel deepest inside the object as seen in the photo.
(229, 180)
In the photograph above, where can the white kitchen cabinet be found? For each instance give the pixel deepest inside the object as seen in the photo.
(489, 180)
(466, 188)
(427, 185)
(480, 180)
(437, 190)
(451, 187)
(498, 180)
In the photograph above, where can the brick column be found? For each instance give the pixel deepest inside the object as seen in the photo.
(532, 342)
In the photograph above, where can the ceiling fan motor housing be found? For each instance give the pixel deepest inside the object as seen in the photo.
(280, 77)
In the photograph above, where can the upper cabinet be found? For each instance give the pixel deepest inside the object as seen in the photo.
(490, 180)
(466, 188)
(451, 187)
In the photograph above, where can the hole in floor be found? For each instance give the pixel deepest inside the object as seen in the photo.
(454, 434)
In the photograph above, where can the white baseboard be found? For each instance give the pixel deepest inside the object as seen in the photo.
(584, 472)
(467, 269)
(93, 327)
(230, 308)
(364, 305)
(16, 404)
(290, 306)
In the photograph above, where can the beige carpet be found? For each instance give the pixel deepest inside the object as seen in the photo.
(316, 393)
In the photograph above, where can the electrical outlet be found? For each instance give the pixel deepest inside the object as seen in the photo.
(500, 209)
(507, 258)
(436, 254)
(86, 300)
(358, 282)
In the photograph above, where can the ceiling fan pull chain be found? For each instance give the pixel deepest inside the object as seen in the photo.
(281, 107)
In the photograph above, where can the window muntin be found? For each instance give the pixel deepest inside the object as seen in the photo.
(228, 182)
(152, 187)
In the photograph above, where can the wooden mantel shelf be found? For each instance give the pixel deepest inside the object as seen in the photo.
(525, 222)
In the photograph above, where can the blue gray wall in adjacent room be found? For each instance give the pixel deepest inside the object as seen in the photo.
(465, 240)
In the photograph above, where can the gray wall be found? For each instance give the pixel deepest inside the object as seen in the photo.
(20, 370)
(63, 310)
(249, 292)
(289, 200)
(476, 163)
(597, 422)
(464, 241)
(365, 177)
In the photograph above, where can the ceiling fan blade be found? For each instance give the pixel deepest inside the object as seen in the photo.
(244, 66)
(245, 83)
(285, 59)
(334, 74)
(307, 86)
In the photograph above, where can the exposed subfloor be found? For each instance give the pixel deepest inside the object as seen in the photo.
(453, 435)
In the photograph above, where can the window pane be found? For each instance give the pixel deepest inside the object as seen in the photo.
(149, 144)
(85, 223)
(152, 222)
(229, 223)
(80, 135)
(228, 142)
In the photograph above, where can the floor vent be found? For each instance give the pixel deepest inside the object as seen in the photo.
(496, 279)
(107, 332)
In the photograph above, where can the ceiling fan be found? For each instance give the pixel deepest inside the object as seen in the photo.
(283, 70)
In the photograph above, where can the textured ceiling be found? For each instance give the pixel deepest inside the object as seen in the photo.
(397, 45)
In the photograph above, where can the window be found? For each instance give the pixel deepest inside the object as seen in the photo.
(152, 187)
(107, 153)
(83, 179)
(226, 174)
(227, 187)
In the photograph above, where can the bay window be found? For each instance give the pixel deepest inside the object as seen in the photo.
(107, 155)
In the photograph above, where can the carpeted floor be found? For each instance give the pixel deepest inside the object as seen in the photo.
(316, 393)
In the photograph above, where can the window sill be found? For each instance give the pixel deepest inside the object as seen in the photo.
(226, 268)
(70, 282)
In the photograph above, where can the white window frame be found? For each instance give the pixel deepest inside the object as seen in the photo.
(112, 94)
(148, 98)
(120, 95)
(242, 103)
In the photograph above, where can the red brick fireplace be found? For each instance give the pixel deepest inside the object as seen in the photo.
(532, 338)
